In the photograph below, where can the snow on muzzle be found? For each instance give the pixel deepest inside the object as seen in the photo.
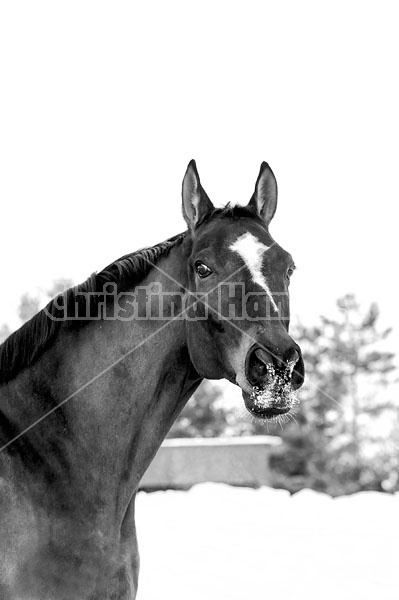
(274, 381)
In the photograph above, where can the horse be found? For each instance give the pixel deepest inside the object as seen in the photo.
(90, 386)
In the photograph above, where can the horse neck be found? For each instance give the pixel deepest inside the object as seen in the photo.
(125, 383)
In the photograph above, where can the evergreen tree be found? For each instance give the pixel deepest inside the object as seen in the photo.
(29, 305)
(4, 332)
(332, 447)
(203, 415)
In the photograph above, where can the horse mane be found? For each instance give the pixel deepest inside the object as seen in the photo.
(24, 346)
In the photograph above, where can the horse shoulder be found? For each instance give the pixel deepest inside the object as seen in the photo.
(18, 533)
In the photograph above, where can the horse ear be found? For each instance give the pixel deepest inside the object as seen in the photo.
(264, 199)
(196, 203)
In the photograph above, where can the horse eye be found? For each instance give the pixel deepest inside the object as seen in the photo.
(202, 270)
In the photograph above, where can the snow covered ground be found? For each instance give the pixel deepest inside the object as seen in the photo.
(216, 542)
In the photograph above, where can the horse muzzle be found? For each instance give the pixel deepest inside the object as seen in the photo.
(274, 380)
(262, 365)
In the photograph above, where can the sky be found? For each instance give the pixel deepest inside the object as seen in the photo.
(104, 104)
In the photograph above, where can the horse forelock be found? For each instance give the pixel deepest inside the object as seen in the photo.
(233, 212)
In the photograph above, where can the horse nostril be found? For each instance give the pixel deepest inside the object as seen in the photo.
(259, 365)
(288, 361)
(293, 356)
(263, 356)
(262, 367)
(292, 362)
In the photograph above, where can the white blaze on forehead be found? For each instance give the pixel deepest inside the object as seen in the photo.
(251, 251)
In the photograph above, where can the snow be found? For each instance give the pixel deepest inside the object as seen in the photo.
(217, 542)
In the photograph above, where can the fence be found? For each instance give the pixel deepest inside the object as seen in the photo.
(181, 463)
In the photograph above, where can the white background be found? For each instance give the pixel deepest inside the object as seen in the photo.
(103, 104)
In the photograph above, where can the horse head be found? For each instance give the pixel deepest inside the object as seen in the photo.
(238, 317)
